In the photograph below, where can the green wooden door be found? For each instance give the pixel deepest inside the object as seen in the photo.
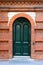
(21, 37)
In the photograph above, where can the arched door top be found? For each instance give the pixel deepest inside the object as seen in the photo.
(21, 15)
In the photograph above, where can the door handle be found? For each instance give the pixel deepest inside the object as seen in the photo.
(33, 43)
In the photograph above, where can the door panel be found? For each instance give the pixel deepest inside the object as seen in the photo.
(25, 32)
(25, 50)
(17, 32)
(17, 50)
(21, 37)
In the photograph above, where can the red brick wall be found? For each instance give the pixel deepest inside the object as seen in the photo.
(4, 33)
(38, 46)
(4, 36)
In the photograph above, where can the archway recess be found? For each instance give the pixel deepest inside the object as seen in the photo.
(10, 32)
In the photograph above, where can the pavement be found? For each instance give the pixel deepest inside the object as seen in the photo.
(21, 61)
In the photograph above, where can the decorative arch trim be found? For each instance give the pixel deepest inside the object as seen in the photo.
(21, 15)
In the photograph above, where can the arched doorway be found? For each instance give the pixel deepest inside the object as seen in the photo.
(21, 37)
(31, 21)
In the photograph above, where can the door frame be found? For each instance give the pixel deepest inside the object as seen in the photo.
(10, 33)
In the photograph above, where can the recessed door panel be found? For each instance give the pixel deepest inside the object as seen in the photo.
(17, 33)
(25, 32)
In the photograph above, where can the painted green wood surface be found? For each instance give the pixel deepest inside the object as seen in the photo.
(21, 37)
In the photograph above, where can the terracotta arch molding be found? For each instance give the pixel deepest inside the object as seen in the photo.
(10, 32)
(21, 15)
